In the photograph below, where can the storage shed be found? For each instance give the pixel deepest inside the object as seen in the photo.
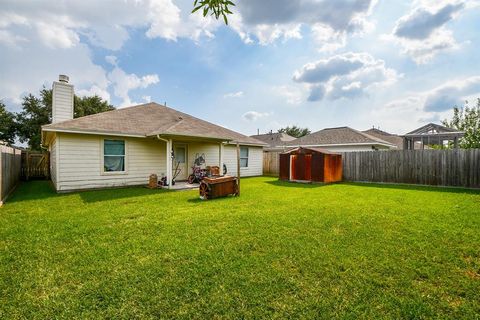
(310, 165)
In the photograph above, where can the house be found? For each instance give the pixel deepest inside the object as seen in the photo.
(389, 137)
(123, 147)
(276, 141)
(431, 134)
(342, 139)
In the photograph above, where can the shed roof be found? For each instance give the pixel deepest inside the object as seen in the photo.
(338, 136)
(319, 150)
(150, 119)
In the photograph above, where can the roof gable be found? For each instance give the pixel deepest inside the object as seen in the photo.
(432, 128)
(340, 135)
(149, 119)
(274, 139)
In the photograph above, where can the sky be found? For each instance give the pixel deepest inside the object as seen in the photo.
(395, 65)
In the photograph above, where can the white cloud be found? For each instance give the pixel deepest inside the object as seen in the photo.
(345, 75)
(451, 93)
(237, 94)
(254, 115)
(60, 26)
(292, 95)
(11, 40)
(56, 36)
(418, 108)
(270, 20)
(422, 33)
(421, 23)
(123, 83)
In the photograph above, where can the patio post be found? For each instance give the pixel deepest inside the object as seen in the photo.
(238, 168)
(220, 157)
(169, 163)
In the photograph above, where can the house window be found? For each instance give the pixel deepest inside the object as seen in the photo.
(113, 155)
(243, 157)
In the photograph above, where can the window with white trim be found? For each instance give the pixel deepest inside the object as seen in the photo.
(113, 155)
(243, 157)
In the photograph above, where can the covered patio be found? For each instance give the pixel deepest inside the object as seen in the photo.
(431, 135)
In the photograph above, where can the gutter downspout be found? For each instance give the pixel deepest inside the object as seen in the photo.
(168, 159)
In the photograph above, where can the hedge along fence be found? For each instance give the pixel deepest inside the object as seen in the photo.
(457, 167)
(10, 167)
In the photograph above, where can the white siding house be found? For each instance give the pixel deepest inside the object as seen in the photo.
(125, 146)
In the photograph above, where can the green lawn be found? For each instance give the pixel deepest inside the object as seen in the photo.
(280, 250)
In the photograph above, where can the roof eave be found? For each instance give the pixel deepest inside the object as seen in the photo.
(93, 132)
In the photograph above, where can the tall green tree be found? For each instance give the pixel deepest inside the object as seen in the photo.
(216, 8)
(295, 131)
(7, 124)
(37, 111)
(466, 119)
(84, 106)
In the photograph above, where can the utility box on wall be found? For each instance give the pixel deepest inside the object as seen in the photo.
(310, 165)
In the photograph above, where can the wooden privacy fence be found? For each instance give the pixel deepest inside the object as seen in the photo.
(458, 167)
(271, 163)
(35, 165)
(10, 167)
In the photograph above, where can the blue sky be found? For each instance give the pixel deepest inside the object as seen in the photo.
(316, 63)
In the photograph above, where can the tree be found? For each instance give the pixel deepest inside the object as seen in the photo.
(216, 8)
(295, 131)
(7, 124)
(84, 106)
(468, 120)
(37, 112)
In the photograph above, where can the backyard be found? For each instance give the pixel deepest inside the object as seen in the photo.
(279, 250)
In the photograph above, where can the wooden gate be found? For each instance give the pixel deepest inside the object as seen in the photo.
(35, 165)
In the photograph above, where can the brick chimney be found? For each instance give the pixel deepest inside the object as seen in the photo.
(62, 99)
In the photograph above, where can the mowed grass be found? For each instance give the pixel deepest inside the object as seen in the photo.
(280, 250)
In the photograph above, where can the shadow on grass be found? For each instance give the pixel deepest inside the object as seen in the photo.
(413, 187)
(290, 184)
(197, 199)
(32, 190)
(93, 196)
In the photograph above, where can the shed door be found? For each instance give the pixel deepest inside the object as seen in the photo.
(299, 167)
(317, 167)
(284, 166)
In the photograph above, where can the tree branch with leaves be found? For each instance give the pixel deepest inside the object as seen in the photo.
(466, 119)
(216, 8)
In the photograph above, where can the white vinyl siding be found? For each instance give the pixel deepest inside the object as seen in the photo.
(81, 164)
(210, 150)
(255, 161)
(53, 161)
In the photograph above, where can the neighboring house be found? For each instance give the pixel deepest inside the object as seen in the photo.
(389, 137)
(431, 135)
(123, 147)
(275, 141)
(342, 139)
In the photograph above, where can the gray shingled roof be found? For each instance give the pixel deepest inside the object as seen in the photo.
(150, 119)
(392, 138)
(340, 135)
(274, 139)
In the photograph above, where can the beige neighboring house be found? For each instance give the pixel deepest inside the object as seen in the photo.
(123, 147)
(342, 139)
(275, 141)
